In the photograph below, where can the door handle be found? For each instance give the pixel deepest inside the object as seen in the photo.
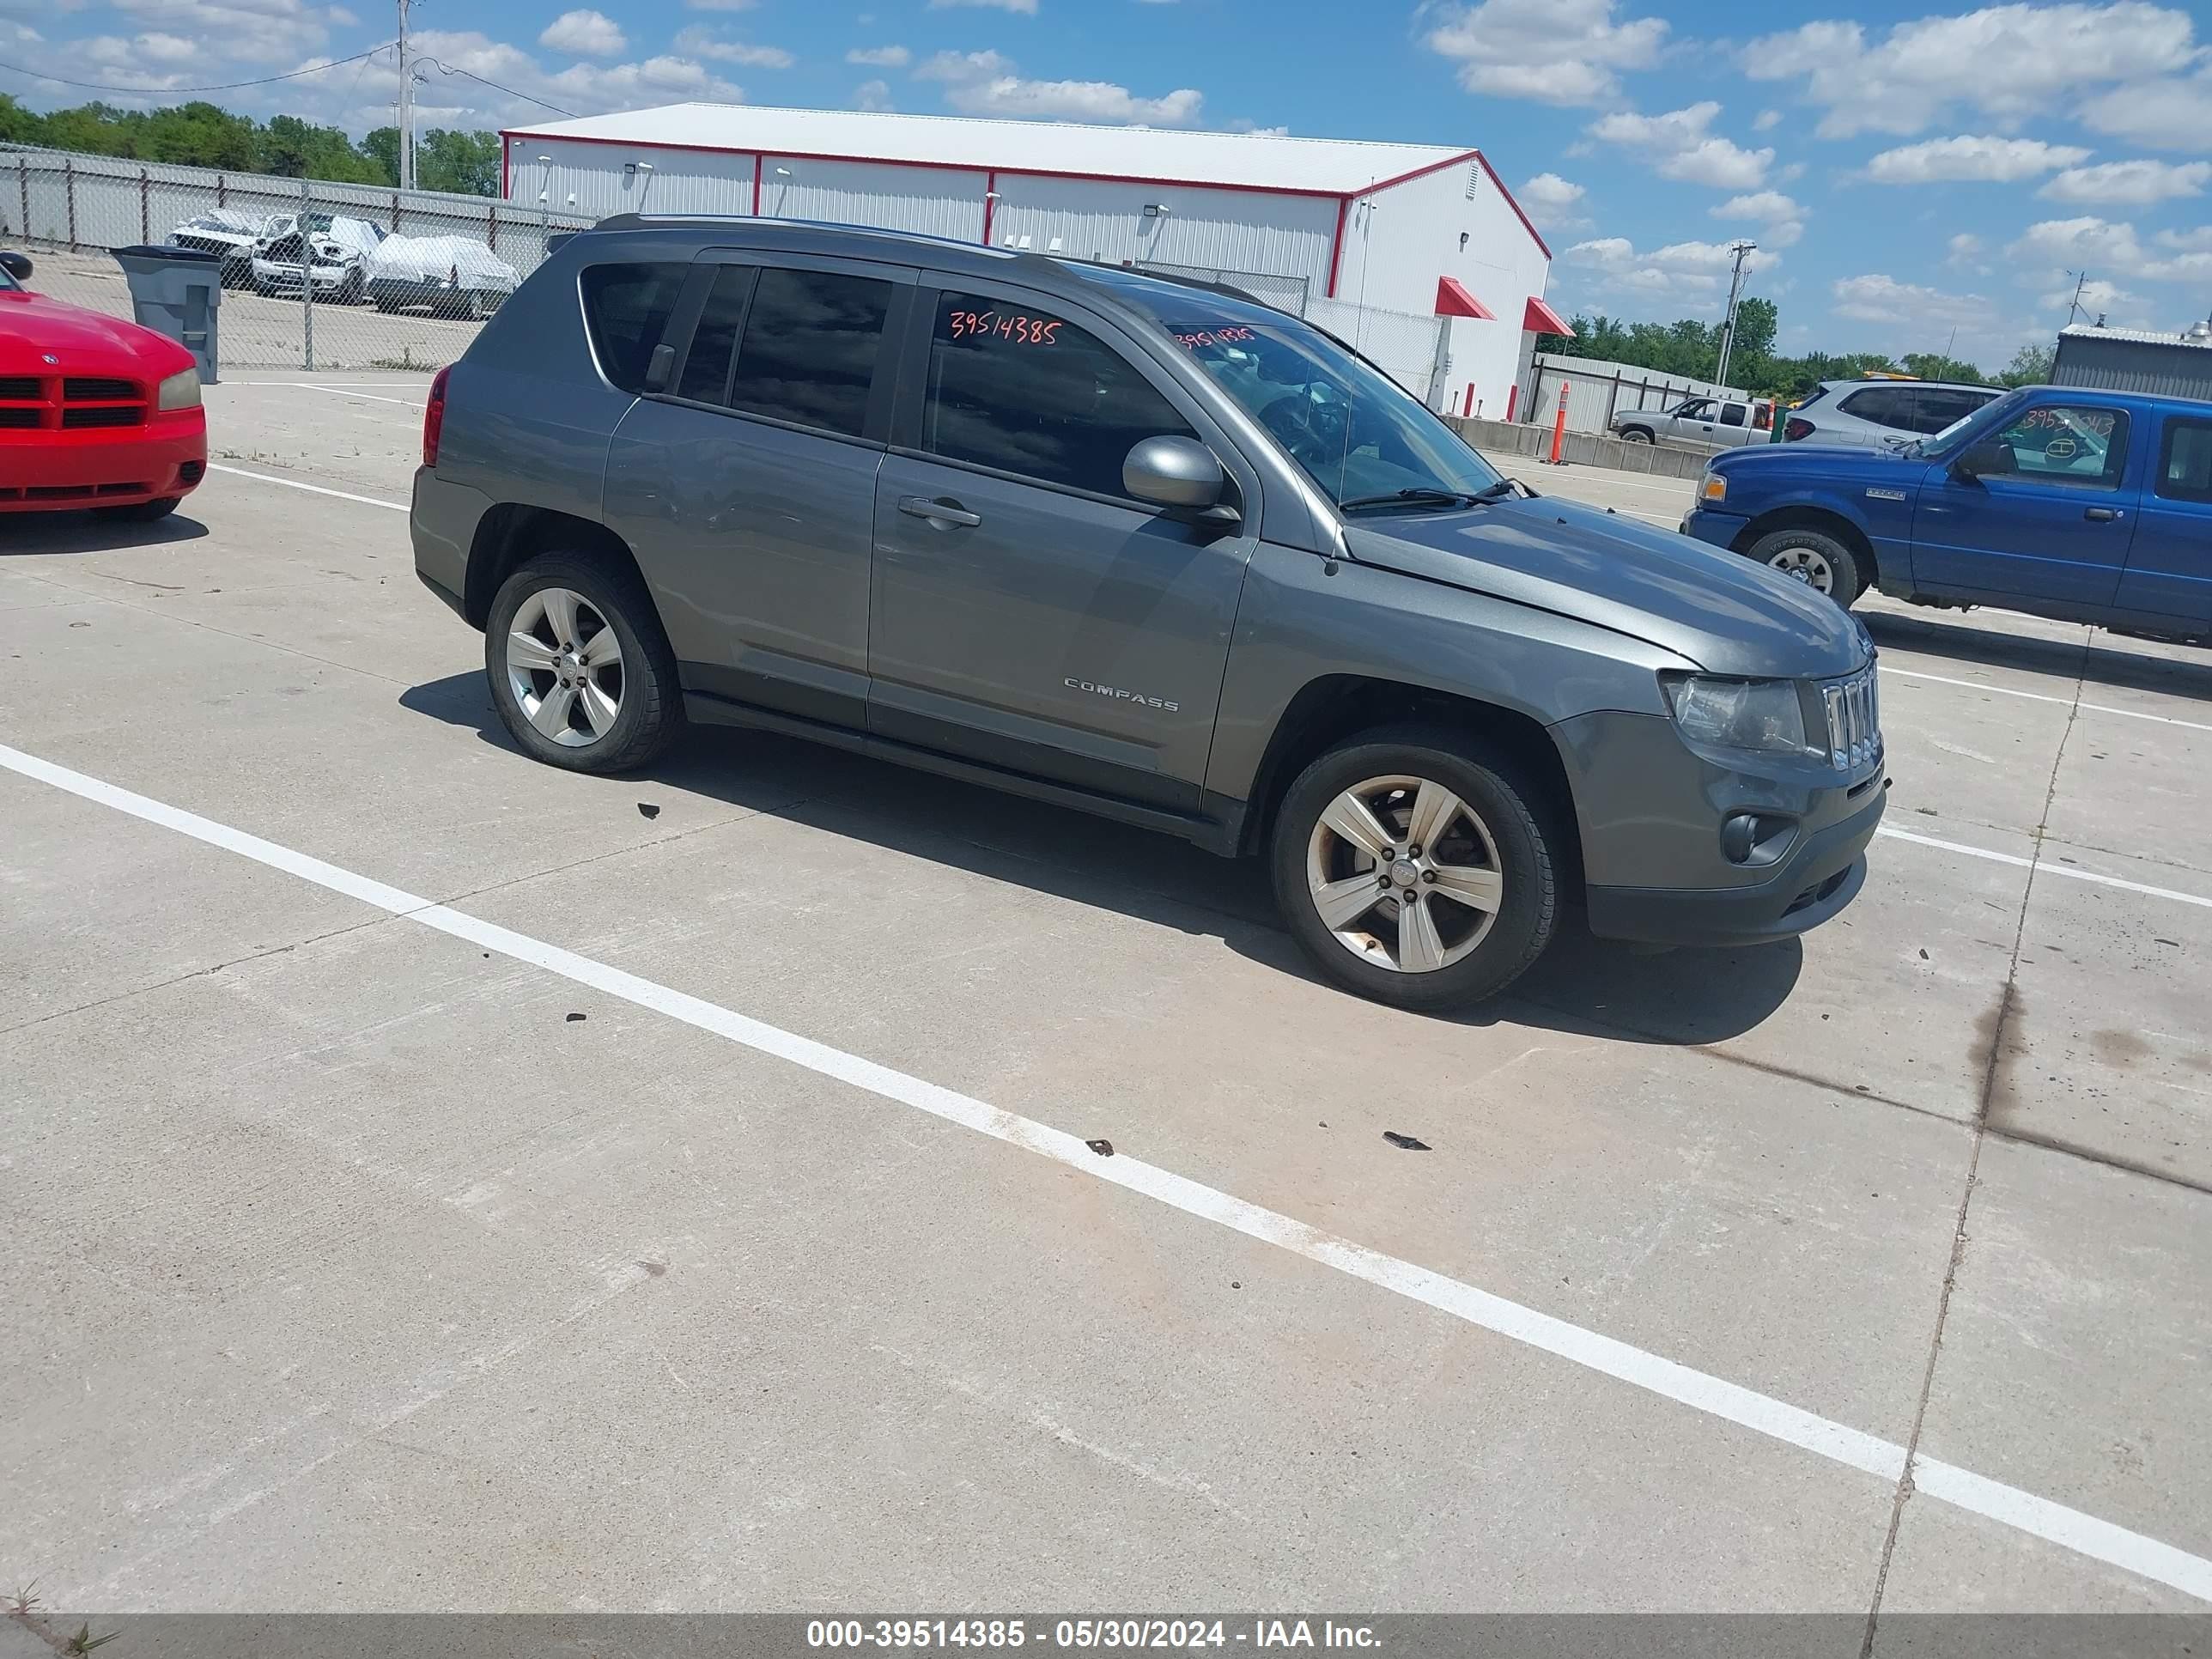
(2101, 514)
(921, 506)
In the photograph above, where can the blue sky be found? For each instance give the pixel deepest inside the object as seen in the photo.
(1908, 172)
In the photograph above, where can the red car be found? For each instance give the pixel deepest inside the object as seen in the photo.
(93, 411)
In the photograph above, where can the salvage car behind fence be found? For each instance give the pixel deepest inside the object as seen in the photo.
(317, 275)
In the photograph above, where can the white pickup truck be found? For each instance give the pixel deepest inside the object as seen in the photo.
(1723, 422)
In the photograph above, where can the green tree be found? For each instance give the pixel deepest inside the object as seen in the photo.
(382, 147)
(2030, 366)
(466, 163)
(1934, 366)
(293, 149)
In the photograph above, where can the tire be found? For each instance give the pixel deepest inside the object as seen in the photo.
(475, 307)
(1499, 837)
(389, 307)
(140, 512)
(1820, 561)
(1637, 434)
(648, 710)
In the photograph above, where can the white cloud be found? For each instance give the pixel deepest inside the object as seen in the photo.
(721, 5)
(2088, 240)
(2129, 183)
(1026, 7)
(1686, 271)
(1781, 218)
(1553, 201)
(2175, 113)
(1766, 120)
(1966, 253)
(2008, 61)
(880, 56)
(1999, 160)
(700, 42)
(1680, 146)
(259, 32)
(2094, 295)
(2199, 238)
(588, 89)
(1553, 51)
(1908, 307)
(584, 35)
(985, 83)
(872, 96)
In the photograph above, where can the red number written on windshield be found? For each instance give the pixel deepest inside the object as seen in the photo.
(1009, 325)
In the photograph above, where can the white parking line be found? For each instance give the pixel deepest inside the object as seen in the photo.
(313, 489)
(2045, 867)
(413, 404)
(2024, 1511)
(2045, 697)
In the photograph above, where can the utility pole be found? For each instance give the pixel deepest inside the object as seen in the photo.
(1741, 250)
(406, 107)
(2074, 306)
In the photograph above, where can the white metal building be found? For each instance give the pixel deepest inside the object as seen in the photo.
(1404, 233)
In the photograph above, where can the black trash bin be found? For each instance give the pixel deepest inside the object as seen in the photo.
(177, 291)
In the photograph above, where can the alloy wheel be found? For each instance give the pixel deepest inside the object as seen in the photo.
(564, 667)
(1404, 873)
(1808, 565)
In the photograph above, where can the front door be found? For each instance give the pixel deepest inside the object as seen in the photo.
(1028, 613)
(748, 481)
(2053, 525)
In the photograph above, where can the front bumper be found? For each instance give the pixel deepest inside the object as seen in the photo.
(1810, 886)
(59, 471)
(1711, 524)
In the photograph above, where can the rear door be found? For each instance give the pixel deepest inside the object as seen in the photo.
(2169, 574)
(2055, 528)
(746, 479)
(1029, 614)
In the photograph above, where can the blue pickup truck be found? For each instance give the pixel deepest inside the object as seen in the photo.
(2081, 505)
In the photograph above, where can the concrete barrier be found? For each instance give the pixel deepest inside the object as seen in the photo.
(1582, 448)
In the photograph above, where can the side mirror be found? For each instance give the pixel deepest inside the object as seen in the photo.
(17, 265)
(1983, 459)
(1177, 472)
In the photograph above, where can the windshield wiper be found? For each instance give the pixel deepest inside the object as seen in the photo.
(1426, 497)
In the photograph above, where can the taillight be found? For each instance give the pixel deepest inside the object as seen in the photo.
(433, 416)
(1798, 429)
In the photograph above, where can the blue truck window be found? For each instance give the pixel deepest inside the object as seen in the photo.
(2068, 444)
(2185, 470)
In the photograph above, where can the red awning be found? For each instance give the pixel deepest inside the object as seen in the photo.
(1454, 300)
(1541, 319)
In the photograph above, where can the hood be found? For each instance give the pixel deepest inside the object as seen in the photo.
(33, 327)
(1715, 609)
(1815, 460)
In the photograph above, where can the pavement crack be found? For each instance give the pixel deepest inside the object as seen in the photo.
(1992, 1074)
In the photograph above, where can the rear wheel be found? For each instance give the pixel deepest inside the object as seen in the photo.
(1818, 560)
(581, 671)
(1412, 869)
(140, 512)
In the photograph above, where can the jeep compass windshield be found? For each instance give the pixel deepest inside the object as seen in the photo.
(1360, 437)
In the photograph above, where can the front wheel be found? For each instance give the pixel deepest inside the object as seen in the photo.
(1818, 560)
(581, 671)
(1635, 435)
(1412, 870)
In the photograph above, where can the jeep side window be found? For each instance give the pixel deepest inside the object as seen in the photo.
(626, 308)
(809, 352)
(1023, 391)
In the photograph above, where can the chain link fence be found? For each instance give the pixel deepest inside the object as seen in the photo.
(317, 275)
(1400, 344)
(1284, 293)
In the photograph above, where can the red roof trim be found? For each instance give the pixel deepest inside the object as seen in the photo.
(1454, 300)
(1528, 225)
(1541, 319)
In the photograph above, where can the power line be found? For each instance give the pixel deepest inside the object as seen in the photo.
(449, 70)
(227, 86)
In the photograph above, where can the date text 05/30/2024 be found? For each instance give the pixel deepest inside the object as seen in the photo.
(1128, 1632)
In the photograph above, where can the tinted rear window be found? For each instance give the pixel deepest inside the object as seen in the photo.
(626, 308)
(1885, 405)
(2184, 472)
(810, 347)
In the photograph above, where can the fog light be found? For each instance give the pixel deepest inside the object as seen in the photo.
(1753, 838)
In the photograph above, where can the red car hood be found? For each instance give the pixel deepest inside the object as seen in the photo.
(34, 327)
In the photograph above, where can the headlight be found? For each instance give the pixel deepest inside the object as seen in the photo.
(1712, 488)
(1763, 715)
(180, 391)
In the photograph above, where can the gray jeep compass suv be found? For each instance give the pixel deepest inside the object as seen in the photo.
(1146, 548)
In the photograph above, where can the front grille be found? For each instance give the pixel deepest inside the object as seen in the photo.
(18, 417)
(85, 415)
(19, 388)
(1854, 719)
(90, 389)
